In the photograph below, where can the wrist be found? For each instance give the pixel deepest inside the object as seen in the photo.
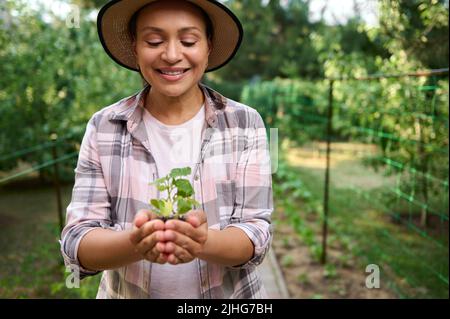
(207, 249)
(228, 247)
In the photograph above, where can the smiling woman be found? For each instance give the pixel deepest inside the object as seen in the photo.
(174, 121)
(172, 49)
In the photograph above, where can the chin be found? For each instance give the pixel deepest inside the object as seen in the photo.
(171, 92)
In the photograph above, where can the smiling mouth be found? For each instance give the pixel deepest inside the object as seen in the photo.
(173, 73)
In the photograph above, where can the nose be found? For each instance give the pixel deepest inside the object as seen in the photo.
(172, 52)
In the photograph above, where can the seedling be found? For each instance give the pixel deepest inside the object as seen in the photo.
(180, 194)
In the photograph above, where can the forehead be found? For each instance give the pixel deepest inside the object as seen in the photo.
(171, 13)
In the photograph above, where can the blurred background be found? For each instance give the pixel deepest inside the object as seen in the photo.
(358, 91)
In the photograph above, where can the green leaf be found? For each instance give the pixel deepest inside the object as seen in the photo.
(166, 207)
(155, 203)
(184, 187)
(177, 172)
(183, 206)
(193, 202)
(161, 187)
(158, 181)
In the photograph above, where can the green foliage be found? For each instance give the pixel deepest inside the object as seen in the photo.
(406, 118)
(53, 78)
(276, 38)
(179, 192)
(289, 104)
(89, 3)
(330, 271)
(416, 29)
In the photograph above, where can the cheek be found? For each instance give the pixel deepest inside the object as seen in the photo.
(146, 56)
(200, 58)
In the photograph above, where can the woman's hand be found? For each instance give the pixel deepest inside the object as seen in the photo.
(185, 240)
(148, 237)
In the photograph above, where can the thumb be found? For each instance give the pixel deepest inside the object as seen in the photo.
(196, 217)
(143, 216)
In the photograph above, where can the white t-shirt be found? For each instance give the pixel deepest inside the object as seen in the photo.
(175, 146)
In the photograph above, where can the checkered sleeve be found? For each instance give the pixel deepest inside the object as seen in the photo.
(254, 200)
(89, 208)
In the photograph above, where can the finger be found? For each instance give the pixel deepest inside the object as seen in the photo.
(154, 256)
(198, 234)
(182, 254)
(161, 259)
(143, 216)
(180, 239)
(152, 226)
(180, 226)
(196, 217)
(138, 234)
(147, 243)
(161, 247)
(151, 255)
(134, 235)
(173, 260)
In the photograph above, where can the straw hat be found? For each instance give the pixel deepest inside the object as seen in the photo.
(114, 17)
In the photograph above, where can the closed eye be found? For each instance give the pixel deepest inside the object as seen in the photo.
(154, 44)
(185, 43)
(188, 44)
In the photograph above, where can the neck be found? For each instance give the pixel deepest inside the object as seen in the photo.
(174, 110)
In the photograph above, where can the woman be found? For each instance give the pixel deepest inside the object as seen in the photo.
(175, 121)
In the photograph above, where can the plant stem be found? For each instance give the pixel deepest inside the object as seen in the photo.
(171, 187)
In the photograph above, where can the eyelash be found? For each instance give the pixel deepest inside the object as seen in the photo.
(186, 44)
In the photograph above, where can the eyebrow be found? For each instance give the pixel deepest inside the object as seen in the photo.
(159, 30)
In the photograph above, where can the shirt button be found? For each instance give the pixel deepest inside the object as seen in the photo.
(196, 177)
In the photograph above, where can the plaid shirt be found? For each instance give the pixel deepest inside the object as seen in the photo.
(232, 181)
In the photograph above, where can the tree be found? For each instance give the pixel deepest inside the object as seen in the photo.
(54, 77)
(417, 28)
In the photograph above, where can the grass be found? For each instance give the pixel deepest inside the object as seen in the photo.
(410, 262)
(31, 265)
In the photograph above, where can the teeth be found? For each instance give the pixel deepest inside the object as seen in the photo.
(172, 73)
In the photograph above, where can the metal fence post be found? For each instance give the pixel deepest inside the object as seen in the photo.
(56, 182)
(327, 174)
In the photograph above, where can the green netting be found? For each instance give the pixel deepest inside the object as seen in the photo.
(38, 167)
(405, 119)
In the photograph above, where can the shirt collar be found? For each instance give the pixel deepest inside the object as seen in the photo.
(131, 109)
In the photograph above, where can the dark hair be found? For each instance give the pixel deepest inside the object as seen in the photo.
(208, 23)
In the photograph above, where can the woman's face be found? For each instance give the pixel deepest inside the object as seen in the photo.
(171, 46)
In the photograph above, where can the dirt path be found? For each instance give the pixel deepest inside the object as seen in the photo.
(306, 278)
(343, 276)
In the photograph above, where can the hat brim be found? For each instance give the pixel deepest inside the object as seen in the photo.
(113, 20)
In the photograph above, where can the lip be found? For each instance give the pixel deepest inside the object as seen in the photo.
(172, 78)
